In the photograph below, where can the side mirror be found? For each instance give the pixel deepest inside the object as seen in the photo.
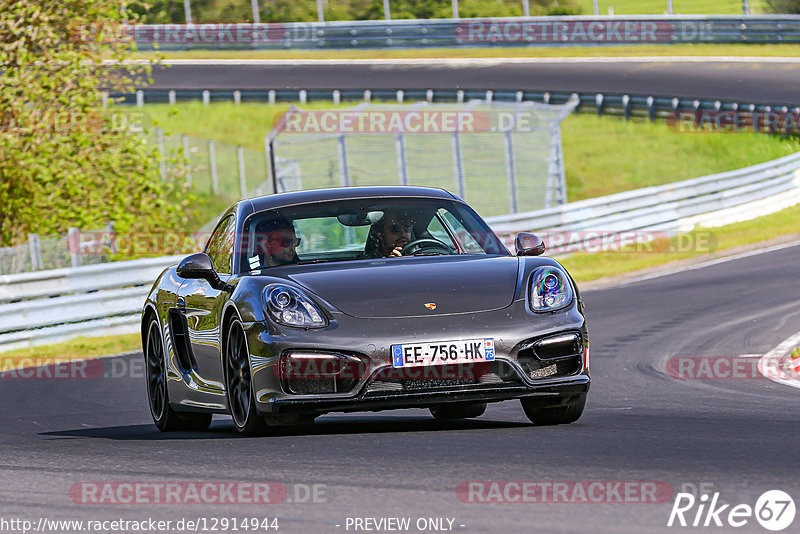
(199, 266)
(529, 244)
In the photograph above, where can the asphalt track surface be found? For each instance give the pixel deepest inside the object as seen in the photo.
(739, 437)
(755, 81)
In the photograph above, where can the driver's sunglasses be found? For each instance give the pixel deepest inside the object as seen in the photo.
(285, 241)
(400, 227)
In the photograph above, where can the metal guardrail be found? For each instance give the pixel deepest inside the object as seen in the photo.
(516, 31)
(673, 207)
(49, 306)
(630, 106)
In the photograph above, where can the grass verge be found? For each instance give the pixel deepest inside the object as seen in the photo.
(602, 155)
(657, 50)
(74, 349)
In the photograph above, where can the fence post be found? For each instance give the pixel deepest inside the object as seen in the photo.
(320, 11)
(242, 174)
(402, 161)
(596, 7)
(511, 172)
(669, 7)
(187, 160)
(161, 151)
(387, 12)
(112, 237)
(745, 7)
(36, 252)
(344, 167)
(212, 164)
(455, 9)
(187, 11)
(526, 8)
(272, 175)
(74, 246)
(256, 14)
(458, 164)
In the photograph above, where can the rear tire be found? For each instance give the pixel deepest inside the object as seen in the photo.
(165, 418)
(560, 415)
(465, 410)
(238, 383)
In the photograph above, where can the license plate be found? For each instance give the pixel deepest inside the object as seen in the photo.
(443, 353)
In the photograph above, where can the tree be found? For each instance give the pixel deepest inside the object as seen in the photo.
(64, 160)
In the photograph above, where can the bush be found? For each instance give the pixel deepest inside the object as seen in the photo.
(784, 6)
(64, 160)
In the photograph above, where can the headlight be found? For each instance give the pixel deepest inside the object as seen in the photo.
(290, 307)
(550, 289)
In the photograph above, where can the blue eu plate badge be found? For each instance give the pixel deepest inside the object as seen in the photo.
(488, 345)
(397, 355)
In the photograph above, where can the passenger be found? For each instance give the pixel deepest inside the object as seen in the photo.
(277, 242)
(389, 235)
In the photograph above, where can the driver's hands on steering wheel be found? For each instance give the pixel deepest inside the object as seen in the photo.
(397, 252)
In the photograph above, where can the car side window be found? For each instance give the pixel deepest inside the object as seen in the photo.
(220, 246)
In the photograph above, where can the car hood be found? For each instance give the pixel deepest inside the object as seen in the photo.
(406, 287)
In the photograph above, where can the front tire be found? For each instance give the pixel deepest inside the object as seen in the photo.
(560, 415)
(165, 418)
(238, 383)
(464, 410)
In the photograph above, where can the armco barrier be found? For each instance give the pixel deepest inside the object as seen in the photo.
(422, 33)
(48, 306)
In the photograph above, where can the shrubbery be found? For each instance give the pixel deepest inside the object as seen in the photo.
(784, 6)
(306, 10)
(64, 160)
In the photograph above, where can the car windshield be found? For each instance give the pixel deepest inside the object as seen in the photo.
(364, 229)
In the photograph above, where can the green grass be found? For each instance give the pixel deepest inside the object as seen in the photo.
(587, 267)
(75, 349)
(796, 353)
(602, 155)
(682, 7)
(749, 50)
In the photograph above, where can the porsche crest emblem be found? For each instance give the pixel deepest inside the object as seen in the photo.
(430, 305)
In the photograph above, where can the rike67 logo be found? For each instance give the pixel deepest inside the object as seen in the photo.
(774, 510)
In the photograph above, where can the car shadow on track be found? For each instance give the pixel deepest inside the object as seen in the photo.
(223, 429)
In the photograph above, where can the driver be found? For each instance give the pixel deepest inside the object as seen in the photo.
(278, 242)
(389, 235)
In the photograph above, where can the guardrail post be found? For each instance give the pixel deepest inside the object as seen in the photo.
(212, 165)
(337, 97)
(187, 160)
(271, 97)
(511, 172)
(104, 99)
(74, 246)
(489, 96)
(36, 252)
(206, 97)
(171, 97)
(651, 108)
(546, 98)
(344, 167)
(242, 174)
(237, 97)
(112, 237)
(402, 161)
(458, 164)
(676, 104)
(400, 96)
(429, 96)
(520, 96)
(599, 99)
(163, 156)
(460, 96)
(139, 98)
(626, 106)
(367, 95)
(303, 96)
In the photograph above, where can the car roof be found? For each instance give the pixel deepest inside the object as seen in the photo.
(345, 193)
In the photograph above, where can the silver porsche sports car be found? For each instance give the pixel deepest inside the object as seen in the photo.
(361, 299)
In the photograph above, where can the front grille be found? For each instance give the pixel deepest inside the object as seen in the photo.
(443, 377)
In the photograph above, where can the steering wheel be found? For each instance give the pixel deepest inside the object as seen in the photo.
(419, 245)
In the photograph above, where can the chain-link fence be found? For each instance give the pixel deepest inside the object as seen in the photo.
(58, 251)
(500, 157)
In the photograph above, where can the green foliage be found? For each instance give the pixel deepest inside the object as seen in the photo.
(306, 10)
(64, 160)
(783, 6)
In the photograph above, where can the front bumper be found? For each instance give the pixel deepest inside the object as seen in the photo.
(513, 329)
